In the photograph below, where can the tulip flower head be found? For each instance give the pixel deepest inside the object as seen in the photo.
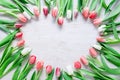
(54, 12)
(102, 28)
(75, 13)
(25, 51)
(36, 11)
(45, 10)
(27, 15)
(22, 18)
(84, 60)
(69, 70)
(39, 65)
(98, 47)
(58, 72)
(69, 14)
(48, 69)
(19, 35)
(77, 65)
(60, 21)
(97, 21)
(93, 15)
(21, 43)
(100, 39)
(93, 52)
(32, 59)
(18, 25)
(85, 12)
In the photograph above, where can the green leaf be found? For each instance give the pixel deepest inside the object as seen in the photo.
(4, 29)
(115, 31)
(109, 6)
(93, 5)
(66, 76)
(33, 75)
(16, 73)
(80, 5)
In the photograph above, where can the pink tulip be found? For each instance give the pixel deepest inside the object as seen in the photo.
(100, 39)
(22, 18)
(93, 52)
(84, 60)
(32, 59)
(75, 14)
(54, 12)
(85, 12)
(97, 21)
(45, 10)
(39, 65)
(48, 69)
(21, 43)
(57, 72)
(92, 15)
(60, 21)
(36, 11)
(77, 65)
(18, 25)
(19, 35)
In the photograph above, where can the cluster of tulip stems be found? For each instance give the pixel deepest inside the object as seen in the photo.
(95, 67)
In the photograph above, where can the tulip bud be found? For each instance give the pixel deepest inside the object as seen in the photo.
(85, 12)
(69, 14)
(57, 72)
(22, 18)
(84, 60)
(75, 13)
(45, 10)
(48, 69)
(27, 15)
(93, 52)
(19, 35)
(32, 59)
(92, 15)
(39, 65)
(21, 43)
(100, 39)
(97, 21)
(69, 70)
(36, 11)
(77, 65)
(54, 12)
(18, 25)
(25, 51)
(60, 21)
(102, 28)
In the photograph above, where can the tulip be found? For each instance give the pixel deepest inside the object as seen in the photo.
(98, 47)
(97, 21)
(18, 25)
(69, 14)
(39, 65)
(25, 51)
(36, 11)
(93, 15)
(75, 13)
(69, 70)
(48, 69)
(45, 10)
(93, 52)
(85, 12)
(60, 21)
(84, 60)
(32, 59)
(22, 18)
(100, 39)
(102, 28)
(57, 72)
(21, 43)
(19, 35)
(77, 65)
(27, 15)
(54, 12)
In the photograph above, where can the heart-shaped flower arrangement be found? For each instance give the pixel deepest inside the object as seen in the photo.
(13, 57)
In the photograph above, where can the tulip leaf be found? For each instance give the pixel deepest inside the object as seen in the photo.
(115, 31)
(4, 29)
(93, 5)
(66, 76)
(16, 73)
(33, 75)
